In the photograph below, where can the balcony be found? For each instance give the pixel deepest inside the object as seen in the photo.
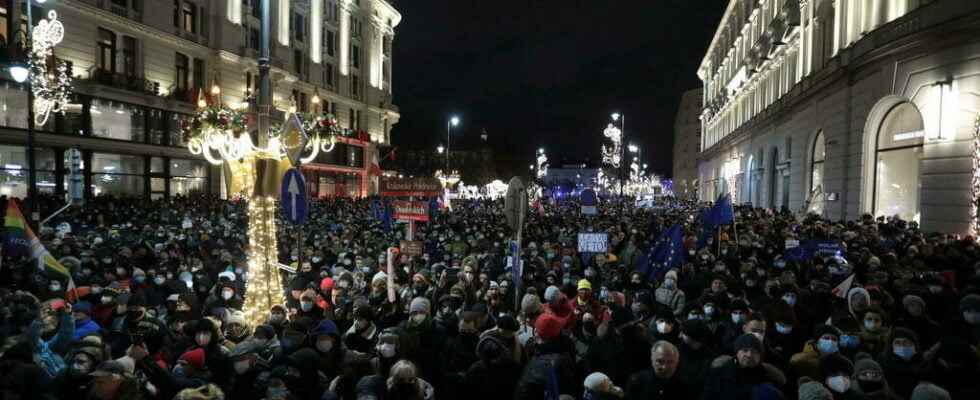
(188, 95)
(123, 81)
(121, 10)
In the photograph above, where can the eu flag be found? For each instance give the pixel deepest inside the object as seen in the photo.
(666, 253)
(720, 213)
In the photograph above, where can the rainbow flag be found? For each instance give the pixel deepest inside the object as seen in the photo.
(20, 233)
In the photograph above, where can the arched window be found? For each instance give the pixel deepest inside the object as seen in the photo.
(899, 145)
(816, 162)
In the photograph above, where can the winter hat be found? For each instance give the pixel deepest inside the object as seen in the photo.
(530, 304)
(508, 323)
(970, 302)
(835, 364)
(551, 293)
(490, 347)
(696, 330)
(194, 357)
(929, 391)
(584, 284)
(379, 277)
(230, 276)
(910, 299)
(548, 326)
(419, 305)
(821, 330)
(326, 284)
(671, 274)
(83, 307)
(814, 391)
(235, 317)
(905, 333)
(325, 327)
(206, 392)
(748, 341)
(265, 331)
(864, 363)
(595, 382)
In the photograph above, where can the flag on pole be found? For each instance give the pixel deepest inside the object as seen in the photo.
(16, 226)
(666, 253)
(720, 213)
(844, 287)
(515, 262)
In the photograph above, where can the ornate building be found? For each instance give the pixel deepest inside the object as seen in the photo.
(869, 105)
(140, 65)
(687, 143)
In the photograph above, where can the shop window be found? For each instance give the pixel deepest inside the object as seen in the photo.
(816, 164)
(117, 121)
(188, 176)
(897, 163)
(117, 175)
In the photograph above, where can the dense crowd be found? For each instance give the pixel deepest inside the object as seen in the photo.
(155, 310)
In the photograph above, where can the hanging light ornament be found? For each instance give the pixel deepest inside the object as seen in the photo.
(612, 155)
(51, 90)
(542, 164)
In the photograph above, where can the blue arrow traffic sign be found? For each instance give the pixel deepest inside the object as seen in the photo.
(292, 197)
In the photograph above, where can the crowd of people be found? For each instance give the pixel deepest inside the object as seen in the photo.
(154, 307)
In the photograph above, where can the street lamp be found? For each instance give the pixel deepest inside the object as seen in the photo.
(440, 149)
(453, 121)
(19, 72)
(622, 127)
(633, 148)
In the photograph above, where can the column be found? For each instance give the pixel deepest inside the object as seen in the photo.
(285, 15)
(840, 19)
(316, 31)
(344, 62)
(233, 9)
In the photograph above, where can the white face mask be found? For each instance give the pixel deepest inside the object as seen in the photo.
(324, 345)
(709, 310)
(839, 384)
(203, 339)
(159, 280)
(227, 294)
(387, 350)
(106, 299)
(663, 327)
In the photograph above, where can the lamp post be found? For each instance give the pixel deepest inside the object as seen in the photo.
(616, 117)
(21, 73)
(453, 121)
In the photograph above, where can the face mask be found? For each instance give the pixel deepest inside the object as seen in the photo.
(159, 280)
(227, 294)
(106, 299)
(692, 317)
(690, 253)
(749, 283)
(324, 345)
(827, 346)
(905, 352)
(784, 329)
(277, 317)
(872, 326)
(761, 337)
(663, 327)
(306, 306)
(241, 367)
(96, 289)
(780, 264)
(54, 288)
(849, 341)
(972, 317)
(738, 318)
(709, 311)
(387, 350)
(839, 384)
(203, 339)
(669, 283)
(276, 393)
(418, 318)
(791, 300)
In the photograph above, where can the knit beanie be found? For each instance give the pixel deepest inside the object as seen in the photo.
(928, 391)
(530, 304)
(551, 293)
(835, 364)
(865, 363)
(821, 330)
(379, 277)
(194, 357)
(905, 333)
(748, 341)
(814, 391)
(548, 326)
(910, 299)
(419, 305)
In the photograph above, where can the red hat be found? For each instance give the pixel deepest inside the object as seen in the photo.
(194, 357)
(548, 326)
(326, 284)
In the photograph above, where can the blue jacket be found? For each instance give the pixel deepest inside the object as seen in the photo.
(47, 354)
(84, 328)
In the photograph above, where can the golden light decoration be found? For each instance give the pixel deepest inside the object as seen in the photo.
(51, 91)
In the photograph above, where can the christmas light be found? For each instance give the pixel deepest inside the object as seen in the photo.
(542, 164)
(976, 179)
(264, 288)
(51, 91)
(612, 154)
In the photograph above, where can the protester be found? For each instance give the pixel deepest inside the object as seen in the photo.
(739, 304)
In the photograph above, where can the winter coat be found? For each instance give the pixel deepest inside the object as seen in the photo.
(727, 381)
(647, 385)
(84, 328)
(693, 367)
(47, 352)
(807, 362)
(673, 299)
(491, 381)
(167, 383)
(903, 375)
(540, 371)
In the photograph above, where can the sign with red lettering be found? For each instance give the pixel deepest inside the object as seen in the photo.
(411, 210)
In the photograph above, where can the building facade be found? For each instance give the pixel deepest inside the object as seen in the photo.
(869, 104)
(139, 67)
(687, 143)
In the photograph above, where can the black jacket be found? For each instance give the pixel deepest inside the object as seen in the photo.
(727, 381)
(492, 381)
(538, 372)
(646, 385)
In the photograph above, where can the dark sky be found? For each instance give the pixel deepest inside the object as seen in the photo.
(547, 73)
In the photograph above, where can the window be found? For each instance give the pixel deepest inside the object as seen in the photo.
(355, 26)
(117, 174)
(350, 120)
(816, 163)
(188, 16)
(156, 127)
(117, 121)
(330, 41)
(129, 56)
(298, 25)
(177, 13)
(789, 147)
(182, 66)
(107, 50)
(355, 86)
(899, 147)
(303, 104)
(13, 170)
(198, 73)
(298, 61)
(187, 176)
(176, 121)
(328, 75)
(355, 56)
(13, 107)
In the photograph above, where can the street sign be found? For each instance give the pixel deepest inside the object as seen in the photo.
(410, 210)
(422, 187)
(292, 197)
(593, 242)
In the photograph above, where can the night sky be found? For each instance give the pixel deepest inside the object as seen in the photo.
(547, 73)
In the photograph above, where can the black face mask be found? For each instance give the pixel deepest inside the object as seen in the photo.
(870, 386)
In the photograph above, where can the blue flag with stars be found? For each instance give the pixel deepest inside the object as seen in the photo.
(667, 252)
(720, 213)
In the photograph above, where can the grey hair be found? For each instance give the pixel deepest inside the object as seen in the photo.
(665, 345)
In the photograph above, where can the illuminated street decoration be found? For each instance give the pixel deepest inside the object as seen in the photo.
(612, 155)
(542, 164)
(51, 89)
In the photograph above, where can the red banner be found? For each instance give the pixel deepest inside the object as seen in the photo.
(411, 210)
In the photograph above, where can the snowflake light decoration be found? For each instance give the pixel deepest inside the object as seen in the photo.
(51, 90)
(612, 154)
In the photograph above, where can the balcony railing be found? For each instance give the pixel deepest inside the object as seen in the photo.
(124, 81)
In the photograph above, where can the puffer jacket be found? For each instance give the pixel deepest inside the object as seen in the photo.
(807, 362)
